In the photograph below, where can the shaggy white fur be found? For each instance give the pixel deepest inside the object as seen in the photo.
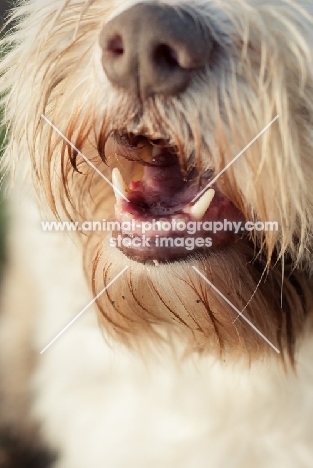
(194, 390)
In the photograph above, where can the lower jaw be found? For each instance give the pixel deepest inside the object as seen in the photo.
(146, 240)
(165, 249)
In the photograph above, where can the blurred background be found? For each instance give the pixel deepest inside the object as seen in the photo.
(14, 453)
(4, 5)
(3, 436)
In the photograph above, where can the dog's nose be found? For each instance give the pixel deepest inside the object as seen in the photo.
(154, 49)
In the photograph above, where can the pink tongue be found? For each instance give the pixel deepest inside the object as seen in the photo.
(162, 190)
(162, 183)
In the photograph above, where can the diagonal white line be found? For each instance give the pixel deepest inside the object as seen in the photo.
(237, 310)
(84, 310)
(235, 159)
(83, 156)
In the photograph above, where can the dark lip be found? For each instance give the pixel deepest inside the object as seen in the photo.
(170, 253)
(157, 255)
(161, 246)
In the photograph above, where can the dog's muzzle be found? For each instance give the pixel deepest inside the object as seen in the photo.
(154, 49)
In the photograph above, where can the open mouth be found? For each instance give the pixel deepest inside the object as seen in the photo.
(160, 219)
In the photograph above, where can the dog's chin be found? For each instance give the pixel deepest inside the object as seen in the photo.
(171, 301)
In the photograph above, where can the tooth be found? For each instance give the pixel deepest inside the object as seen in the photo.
(202, 205)
(119, 185)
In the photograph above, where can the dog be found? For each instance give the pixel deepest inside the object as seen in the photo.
(171, 328)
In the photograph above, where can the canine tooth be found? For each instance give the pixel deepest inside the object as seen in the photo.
(119, 185)
(202, 205)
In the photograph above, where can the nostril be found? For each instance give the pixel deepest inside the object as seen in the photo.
(166, 55)
(115, 45)
(154, 49)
